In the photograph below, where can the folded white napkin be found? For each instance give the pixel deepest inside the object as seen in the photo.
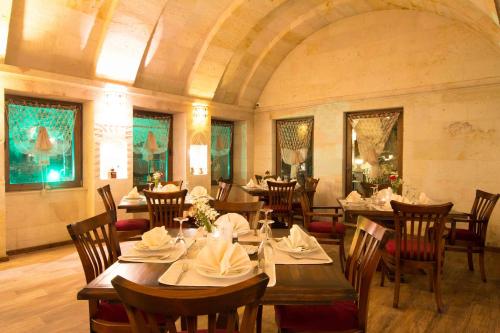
(133, 193)
(251, 183)
(298, 240)
(168, 188)
(240, 223)
(354, 196)
(198, 191)
(155, 238)
(279, 179)
(423, 199)
(222, 258)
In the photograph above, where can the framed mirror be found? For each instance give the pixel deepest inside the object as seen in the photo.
(373, 150)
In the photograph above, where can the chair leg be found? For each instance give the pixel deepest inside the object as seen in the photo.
(431, 279)
(469, 259)
(259, 319)
(397, 281)
(437, 289)
(342, 255)
(382, 273)
(481, 265)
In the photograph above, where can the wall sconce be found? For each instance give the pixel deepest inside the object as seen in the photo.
(200, 114)
(198, 159)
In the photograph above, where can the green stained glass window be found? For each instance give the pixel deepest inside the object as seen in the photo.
(43, 143)
(221, 150)
(152, 139)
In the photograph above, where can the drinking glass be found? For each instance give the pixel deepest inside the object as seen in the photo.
(180, 235)
(265, 231)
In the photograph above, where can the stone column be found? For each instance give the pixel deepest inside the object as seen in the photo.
(3, 229)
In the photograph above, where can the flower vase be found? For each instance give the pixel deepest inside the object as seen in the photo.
(156, 182)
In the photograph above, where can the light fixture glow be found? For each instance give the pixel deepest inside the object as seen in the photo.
(53, 176)
(198, 159)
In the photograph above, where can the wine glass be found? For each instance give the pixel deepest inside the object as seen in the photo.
(180, 235)
(265, 231)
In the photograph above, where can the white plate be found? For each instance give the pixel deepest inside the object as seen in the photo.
(133, 198)
(216, 275)
(243, 232)
(268, 221)
(282, 247)
(142, 248)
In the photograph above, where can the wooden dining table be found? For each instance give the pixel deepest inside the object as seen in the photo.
(295, 284)
(141, 206)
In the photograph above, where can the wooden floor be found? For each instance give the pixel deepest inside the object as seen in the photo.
(38, 294)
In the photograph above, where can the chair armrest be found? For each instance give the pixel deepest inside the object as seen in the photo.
(336, 208)
(462, 219)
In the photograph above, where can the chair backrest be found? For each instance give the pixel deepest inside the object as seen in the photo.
(97, 244)
(146, 306)
(419, 230)
(482, 208)
(108, 201)
(310, 188)
(163, 207)
(250, 210)
(223, 191)
(281, 196)
(258, 178)
(362, 261)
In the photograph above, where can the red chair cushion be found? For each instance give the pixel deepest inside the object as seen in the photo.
(111, 312)
(411, 247)
(338, 316)
(326, 227)
(466, 235)
(132, 224)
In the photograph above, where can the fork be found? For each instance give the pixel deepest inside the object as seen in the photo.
(185, 268)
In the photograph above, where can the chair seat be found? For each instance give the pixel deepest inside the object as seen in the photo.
(326, 227)
(114, 312)
(338, 316)
(132, 224)
(411, 247)
(467, 235)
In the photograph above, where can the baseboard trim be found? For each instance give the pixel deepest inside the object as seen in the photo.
(38, 247)
(3, 259)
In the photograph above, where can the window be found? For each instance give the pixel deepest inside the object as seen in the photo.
(294, 151)
(221, 150)
(374, 149)
(152, 140)
(43, 146)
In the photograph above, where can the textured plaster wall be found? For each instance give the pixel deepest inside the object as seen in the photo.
(448, 85)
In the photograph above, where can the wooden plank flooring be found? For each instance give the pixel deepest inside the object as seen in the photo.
(38, 294)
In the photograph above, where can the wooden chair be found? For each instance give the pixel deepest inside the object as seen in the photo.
(126, 228)
(280, 200)
(146, 305)
(345, 316)
(177, 183)
(163, 207)
(97, 245)
(223, 191)
(250, 210)
(332, 229)
(473, 239)
(310, 186)
(419, 244)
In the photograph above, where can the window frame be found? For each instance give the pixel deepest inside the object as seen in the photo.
(231, 163)
(277, 170)
(347, 168)
(170, 156)
(77, 134)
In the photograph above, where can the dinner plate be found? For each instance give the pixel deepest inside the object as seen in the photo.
(282, 247)
(217, 275)
(139, 246)
(133, 198)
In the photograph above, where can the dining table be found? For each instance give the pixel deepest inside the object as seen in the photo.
(295, 283)
(139, 205)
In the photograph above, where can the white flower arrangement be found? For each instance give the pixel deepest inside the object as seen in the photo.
(203, 213)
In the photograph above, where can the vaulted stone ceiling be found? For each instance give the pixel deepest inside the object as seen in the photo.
(225, 50)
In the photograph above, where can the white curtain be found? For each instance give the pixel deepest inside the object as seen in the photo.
(294, 142)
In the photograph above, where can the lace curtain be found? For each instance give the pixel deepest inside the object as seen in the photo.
(372, 133)
(151, 135)
(294, 142)
(41, 130)
(220, 148)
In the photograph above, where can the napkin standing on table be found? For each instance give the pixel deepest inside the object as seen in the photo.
(299, 240)
(240, 224)
(198, 191)
(133, 194)
(169, 188)
(354, 196)
(155, 238)
(251, 183)
(423, 199)
(223, 257)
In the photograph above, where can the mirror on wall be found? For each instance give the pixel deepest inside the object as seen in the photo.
(374, 146)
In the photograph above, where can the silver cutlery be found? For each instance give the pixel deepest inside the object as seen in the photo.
(295, 256)
(184, 269)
